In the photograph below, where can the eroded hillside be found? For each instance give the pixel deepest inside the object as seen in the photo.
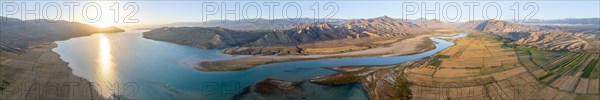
(355, 34)
(547, 37)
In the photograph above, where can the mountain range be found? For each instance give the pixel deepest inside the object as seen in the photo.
(542, 36)
(258, 38)
(254, 24)
(16, 35)
(218, 37)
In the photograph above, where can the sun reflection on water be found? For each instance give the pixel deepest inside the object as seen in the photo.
(105, 56)
(105, 73)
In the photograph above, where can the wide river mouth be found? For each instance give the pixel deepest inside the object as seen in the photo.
(129, 66)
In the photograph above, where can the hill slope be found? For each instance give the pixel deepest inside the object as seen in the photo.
(208, 38)
(16, 35)
(539, 36)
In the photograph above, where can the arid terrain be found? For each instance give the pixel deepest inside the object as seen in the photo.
(551, 37)
(352, 35)
(29, 67)
(299, 49)
(403, 47)
(497, 60)
(381, 36)
(41, 74)
(481, 67)
(362, 37)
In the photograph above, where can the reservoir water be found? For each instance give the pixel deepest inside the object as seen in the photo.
(126, 65)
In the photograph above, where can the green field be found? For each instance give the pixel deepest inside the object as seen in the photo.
(436, 60)
(559, 63)
(542, 57)
(590, 68)
(584, 65)
(533, 58)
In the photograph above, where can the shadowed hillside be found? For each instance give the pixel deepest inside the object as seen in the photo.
(16, 35)
(350, 33)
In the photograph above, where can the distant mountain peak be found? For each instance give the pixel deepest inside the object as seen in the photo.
(384, 17)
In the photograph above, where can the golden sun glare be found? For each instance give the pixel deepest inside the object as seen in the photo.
(104, 24)
(106, 73)
(105, 56)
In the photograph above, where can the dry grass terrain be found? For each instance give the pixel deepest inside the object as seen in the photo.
(479, 67)
(41, 74)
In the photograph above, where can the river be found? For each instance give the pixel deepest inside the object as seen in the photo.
(127, 65)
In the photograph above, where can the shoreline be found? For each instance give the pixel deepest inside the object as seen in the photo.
(379, 81)
(414, 45)
(420, 79)
(42, 74)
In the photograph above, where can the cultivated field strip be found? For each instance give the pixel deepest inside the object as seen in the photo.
(573, 72)
(481, 68)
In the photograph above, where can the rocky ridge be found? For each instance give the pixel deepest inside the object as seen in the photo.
(291, 41)
(550, 38)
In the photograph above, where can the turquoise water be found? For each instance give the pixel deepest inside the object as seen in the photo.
(130, 66)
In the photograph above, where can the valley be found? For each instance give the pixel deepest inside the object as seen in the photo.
(376, 58)
(497, 60)
(479, 66)
(299, 50)
(404, 47)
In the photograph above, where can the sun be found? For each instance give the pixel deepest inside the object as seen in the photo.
(104, 24)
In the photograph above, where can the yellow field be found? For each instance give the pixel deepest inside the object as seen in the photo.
(480, 68)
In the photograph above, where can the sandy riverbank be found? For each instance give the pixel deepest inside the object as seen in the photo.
(408, 46)
(41, 74)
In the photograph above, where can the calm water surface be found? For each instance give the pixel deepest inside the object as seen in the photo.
(130, 66)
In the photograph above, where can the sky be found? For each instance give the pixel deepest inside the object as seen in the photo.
(153, 12)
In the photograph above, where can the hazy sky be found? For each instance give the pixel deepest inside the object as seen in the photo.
(165, 11)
